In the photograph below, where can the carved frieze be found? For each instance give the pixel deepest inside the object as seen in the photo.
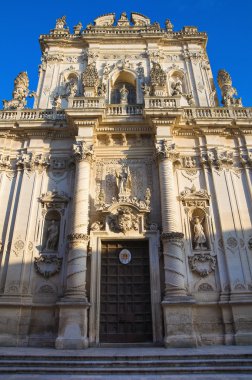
(217, 157)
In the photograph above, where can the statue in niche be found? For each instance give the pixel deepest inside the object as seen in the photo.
(199, 235)
(71, 87)
(124, 95)
(123, 182)
(177, 88)
(52, 237)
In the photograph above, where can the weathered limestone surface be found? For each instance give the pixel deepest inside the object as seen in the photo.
(125, 143)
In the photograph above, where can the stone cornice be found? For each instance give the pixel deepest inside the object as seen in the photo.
(120, 33)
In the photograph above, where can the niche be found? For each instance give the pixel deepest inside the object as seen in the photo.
(123, 90)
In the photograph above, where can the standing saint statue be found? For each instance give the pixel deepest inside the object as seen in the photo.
(52, 236)
(124, 95)
(123, 181)
(199, 235)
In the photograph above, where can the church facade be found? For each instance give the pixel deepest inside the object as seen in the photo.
(126, 201)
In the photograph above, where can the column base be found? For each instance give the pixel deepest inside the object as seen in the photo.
(178, 322)
(73, 322)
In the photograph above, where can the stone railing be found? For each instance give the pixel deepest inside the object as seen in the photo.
(121, 109)
(161, 102)
(30, 114)
(217, 113)
(86, 102)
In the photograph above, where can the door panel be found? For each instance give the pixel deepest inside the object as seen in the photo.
(125, 294)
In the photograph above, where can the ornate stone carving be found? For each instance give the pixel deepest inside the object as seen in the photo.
(105, 20)
(5, 163)
(90, 80)
(139, 19)
(202, 263)
(123, 20)
(19, 94)
(78, 236)
(217, 157)
(60, 23)
(192, 198)
(125, 220)
(54, 200)
(77, 28)
(52, 237)
(124, 95)
(81, 151)
(167, 150)
(177, 88)
(24, 160)
(199, 236)
(123, 182)
(157, 80)
(228, 92)
(175, 236)
(42, 162)
(47, 266)
(168, 25)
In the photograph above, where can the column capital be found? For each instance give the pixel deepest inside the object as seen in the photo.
(82, 151)
(165, 149)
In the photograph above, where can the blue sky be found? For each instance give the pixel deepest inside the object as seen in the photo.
(228, 24)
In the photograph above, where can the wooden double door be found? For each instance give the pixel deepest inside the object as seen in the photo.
(125, 308)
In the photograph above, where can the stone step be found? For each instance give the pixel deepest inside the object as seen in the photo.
(126, 362)
(127, 365)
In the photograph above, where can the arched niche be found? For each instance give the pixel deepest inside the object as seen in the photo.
(51, 232)
(122, 78)
(177, 82)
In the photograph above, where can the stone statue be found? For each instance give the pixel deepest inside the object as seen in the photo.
(123, 181)
(168, 25)
(199, 235)
(60, 23)
(124, 95)
(57, 102)
(190, 99)
(52, 236)
(123, 21)
(71, 87)
(177, 88)
(19, 94)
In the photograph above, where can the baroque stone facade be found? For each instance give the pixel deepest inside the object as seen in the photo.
(125, 211)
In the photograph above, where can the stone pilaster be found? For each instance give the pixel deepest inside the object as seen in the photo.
(177, 306)
(74, 306)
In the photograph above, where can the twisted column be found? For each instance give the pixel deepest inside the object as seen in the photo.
(78, 238)
(174, 265)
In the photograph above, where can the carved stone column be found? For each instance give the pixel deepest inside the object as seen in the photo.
(74, 306)
(177, 306)
(171, 237)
